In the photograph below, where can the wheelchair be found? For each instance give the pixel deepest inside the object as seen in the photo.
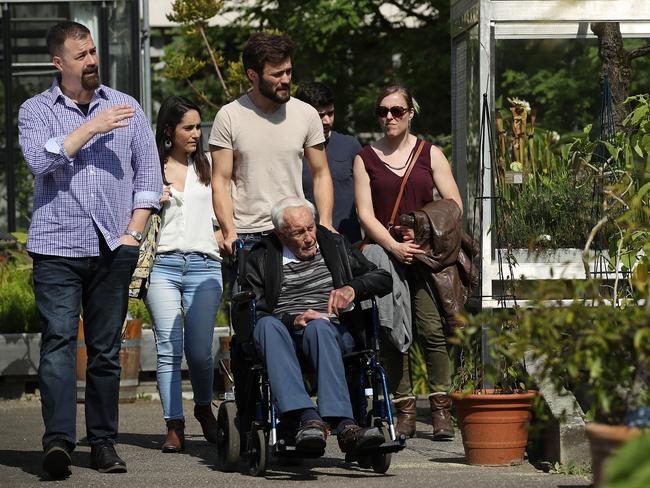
(248, 423)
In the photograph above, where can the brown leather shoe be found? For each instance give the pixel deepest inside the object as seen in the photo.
(203, 413)
(175, 440)
(406, 413)
(443, 428)
(354, 438)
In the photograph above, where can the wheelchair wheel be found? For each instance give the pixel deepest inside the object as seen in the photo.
(381, 462)
(228, 441)
(258, 451)
(365, 462)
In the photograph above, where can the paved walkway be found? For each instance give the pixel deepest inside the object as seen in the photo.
(422, 464)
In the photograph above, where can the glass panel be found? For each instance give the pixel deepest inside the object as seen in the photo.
(123, 67)
(546, 92)
(466, 107)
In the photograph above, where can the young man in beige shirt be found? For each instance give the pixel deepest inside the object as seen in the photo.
(258, 142)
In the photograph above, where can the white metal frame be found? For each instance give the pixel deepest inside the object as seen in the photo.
(533, 19)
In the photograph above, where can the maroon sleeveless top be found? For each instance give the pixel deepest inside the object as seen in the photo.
(385, 184)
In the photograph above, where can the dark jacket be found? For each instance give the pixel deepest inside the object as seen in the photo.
(449, 253)
(263, 272)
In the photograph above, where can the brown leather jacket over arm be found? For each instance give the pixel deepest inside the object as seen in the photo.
(449, 253)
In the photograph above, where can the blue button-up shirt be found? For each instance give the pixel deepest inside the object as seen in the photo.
(78, 199)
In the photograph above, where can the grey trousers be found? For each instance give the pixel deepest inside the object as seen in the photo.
(323, 344)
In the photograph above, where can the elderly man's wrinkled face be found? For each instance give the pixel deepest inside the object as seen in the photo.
(299, 232)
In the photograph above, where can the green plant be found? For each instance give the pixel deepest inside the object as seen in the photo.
(553, 205)
(571, 469)
(419, 374)
(138, 310)
(485, 358)
(605, 348)
(18, 312)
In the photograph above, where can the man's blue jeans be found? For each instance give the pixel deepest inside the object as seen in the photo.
(63, 286)
(183, 298)
(323, 344)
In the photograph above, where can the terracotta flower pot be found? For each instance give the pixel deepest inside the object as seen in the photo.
(494, 426)
(604, 440)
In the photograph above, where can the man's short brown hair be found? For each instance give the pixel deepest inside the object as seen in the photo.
(58, 34)
(264, 47)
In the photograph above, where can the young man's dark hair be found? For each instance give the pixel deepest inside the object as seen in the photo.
(58, 33)
(315, 94)
(263, 47)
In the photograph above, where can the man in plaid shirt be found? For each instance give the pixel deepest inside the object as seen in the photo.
(97, 178)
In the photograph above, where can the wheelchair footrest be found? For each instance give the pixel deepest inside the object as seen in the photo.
(281, 449)
(385, 448)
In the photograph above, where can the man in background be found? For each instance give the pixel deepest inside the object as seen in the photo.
(341, 150)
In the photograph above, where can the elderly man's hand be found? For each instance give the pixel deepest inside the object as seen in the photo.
(300, 322)
(340, 299)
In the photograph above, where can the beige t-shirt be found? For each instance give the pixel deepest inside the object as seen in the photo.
(268, 151)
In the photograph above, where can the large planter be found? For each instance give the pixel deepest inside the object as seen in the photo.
(604, 440)
(129, 362)
(494, 427)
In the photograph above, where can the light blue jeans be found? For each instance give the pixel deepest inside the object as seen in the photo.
(183, 299)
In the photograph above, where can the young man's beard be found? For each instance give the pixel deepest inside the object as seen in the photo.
(90, 80)
(269, 92)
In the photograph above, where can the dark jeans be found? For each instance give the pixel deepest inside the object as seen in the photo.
(62, 287)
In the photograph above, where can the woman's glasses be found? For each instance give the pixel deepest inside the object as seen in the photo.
(396, 111)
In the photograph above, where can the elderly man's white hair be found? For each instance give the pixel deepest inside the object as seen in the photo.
(277, 212)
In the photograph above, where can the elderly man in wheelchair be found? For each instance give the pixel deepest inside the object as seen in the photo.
(306, 280)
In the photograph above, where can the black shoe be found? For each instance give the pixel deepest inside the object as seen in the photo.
(311, 436)
(57, 459)
(104, 459)
(354, 438)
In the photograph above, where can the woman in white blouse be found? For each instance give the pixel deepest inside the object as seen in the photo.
(185, 287)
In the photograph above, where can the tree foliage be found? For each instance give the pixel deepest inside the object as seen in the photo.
(354, 46)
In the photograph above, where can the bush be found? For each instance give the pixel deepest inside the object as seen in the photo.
(18, 312)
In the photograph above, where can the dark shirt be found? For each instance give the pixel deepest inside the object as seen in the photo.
(385, 184)
(341, 150)
(84, 107)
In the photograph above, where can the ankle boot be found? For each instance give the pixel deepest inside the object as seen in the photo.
(443, 428)
(406, 413)
(175, 440)
(203, 413)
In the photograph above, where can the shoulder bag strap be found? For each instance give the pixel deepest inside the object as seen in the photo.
(404, 180)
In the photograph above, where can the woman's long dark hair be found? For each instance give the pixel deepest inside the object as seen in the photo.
(170, 114)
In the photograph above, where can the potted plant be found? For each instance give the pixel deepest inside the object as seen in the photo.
(19, 320)
(493, 420)
(600, 343)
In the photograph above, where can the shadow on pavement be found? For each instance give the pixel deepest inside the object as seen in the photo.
(451, 460)
(31, 461)
(146, 441)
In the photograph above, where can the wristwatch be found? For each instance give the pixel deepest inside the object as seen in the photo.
(135, 234)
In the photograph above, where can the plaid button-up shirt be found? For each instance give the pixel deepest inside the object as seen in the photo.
(77, 199)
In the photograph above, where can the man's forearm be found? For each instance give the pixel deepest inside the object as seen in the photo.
(223, 208)
(324, 196)
(139, 219)
(77, 139)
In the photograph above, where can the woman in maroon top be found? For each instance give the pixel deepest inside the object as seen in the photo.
(378, 172)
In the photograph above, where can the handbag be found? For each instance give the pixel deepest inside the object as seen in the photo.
(140, 279)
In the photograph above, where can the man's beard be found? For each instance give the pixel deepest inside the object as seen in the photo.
(90, 79)
(269, 92)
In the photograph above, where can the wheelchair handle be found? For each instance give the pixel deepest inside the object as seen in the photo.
(237, 246)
